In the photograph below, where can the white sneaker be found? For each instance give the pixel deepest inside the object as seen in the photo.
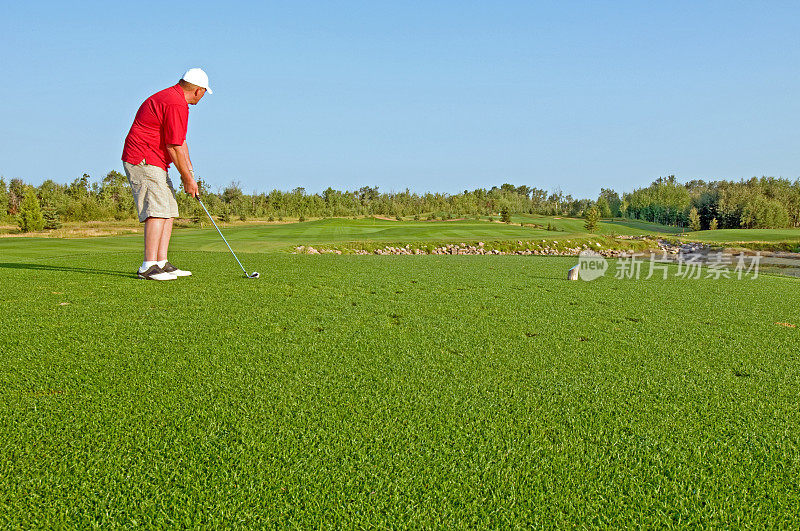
(172, 270)
(155, 273)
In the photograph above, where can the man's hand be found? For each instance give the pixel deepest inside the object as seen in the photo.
(190, 186)
(180, 156)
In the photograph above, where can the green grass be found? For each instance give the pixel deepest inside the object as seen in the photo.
(347, 391)
(267, 238)
(630, 227)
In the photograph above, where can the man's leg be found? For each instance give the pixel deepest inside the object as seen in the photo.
(153, 231)
(163, 247)
(166, 234)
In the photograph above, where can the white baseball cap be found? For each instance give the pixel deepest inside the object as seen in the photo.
(196, 76)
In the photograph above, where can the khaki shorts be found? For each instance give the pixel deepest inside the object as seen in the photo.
(152, 191)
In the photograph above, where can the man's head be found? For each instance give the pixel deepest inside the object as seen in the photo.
(194, 84)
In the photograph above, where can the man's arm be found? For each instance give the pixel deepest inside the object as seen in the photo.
(180, 157)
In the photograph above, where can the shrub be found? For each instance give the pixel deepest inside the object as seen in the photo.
(302, 218)
(271, 219)
(416, 217)
(505, 215)
(398, 217)
(713, 224)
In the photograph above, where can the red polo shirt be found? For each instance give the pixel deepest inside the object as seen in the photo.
(162, 119)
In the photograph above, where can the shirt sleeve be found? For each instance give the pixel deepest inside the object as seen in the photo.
(176, 119)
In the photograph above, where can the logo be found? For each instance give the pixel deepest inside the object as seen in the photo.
(591, 265)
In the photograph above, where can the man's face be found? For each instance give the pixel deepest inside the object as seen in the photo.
(198, 95)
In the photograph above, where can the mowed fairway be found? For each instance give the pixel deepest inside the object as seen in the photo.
(344, 391)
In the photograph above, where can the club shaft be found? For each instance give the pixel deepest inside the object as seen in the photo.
(223, 237)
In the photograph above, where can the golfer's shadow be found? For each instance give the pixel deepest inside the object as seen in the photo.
(68, 269)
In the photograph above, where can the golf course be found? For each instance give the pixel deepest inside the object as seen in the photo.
(399, 265)
(346, 391)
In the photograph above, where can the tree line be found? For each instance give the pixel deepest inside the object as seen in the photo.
(765, 202)
(756, 203)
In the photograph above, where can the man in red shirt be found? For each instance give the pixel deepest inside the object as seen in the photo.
(156, 139)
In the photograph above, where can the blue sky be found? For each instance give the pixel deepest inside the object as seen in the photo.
(433, 96)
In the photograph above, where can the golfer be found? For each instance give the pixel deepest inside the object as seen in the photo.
(156, 139)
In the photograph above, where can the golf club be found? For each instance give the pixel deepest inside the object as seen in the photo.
(255, 273)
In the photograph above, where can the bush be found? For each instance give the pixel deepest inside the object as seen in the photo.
(713, 224)
(302, 218)
(505, 215)
(398, 217)
(416, 217)
(271, 219)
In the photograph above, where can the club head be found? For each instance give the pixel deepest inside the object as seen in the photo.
(254, 274)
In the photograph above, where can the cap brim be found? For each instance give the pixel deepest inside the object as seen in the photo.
(209, 91)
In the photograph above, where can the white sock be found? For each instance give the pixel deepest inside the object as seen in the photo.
(146, 265)
(161, 263)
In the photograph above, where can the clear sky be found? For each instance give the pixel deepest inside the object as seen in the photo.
(433, 96)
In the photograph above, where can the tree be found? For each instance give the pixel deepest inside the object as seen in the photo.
(592, 219)
(225, 212)
(79, 188)
(505, 215)
(614, 202)
(3, 199)
(763, 213)
(52, 220)
(30, 213)
(16, 191)
(603, 207)
(232, 193)
(694, 219)
(713, 224)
